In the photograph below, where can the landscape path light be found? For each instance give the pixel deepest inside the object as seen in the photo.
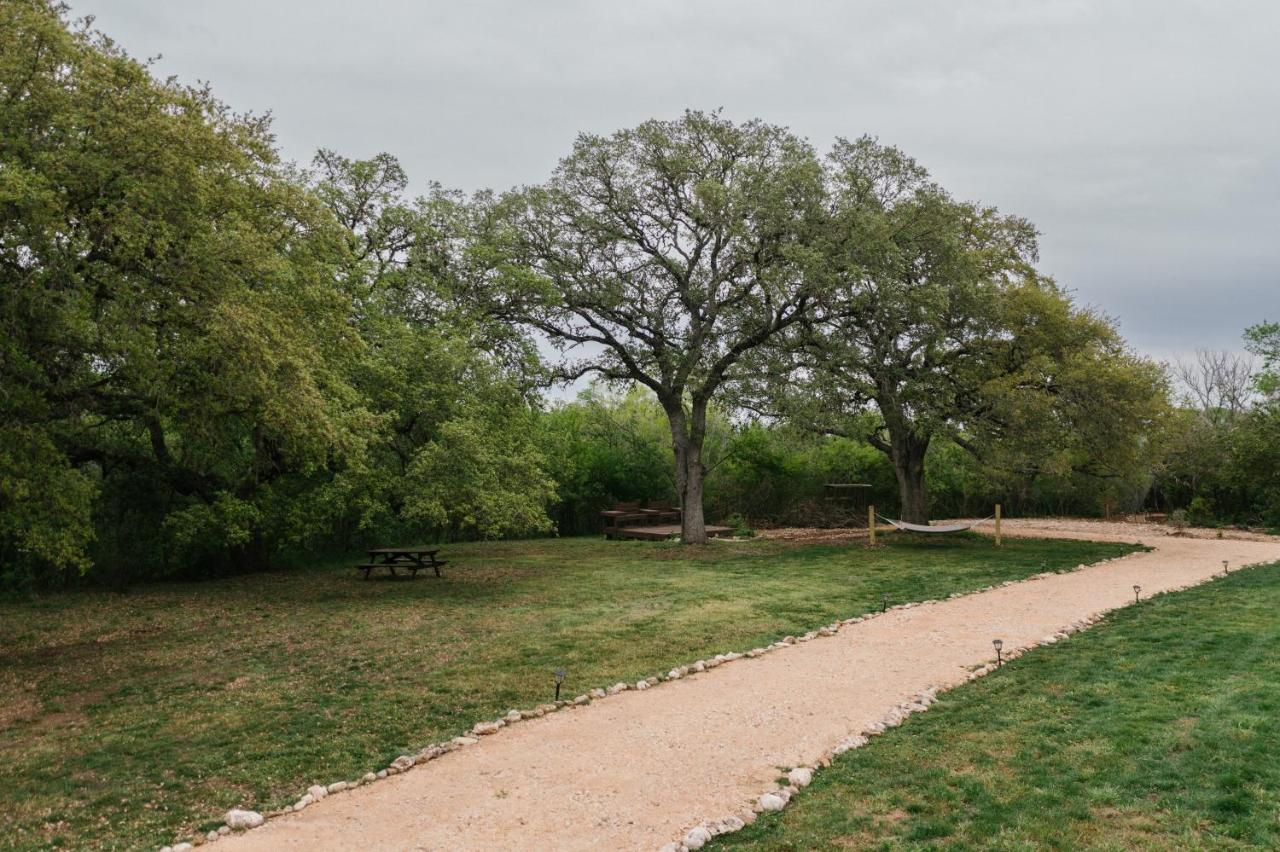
(559, 680)
(1225, 570)
(884, 602)
(998, 645)
(1137, 590)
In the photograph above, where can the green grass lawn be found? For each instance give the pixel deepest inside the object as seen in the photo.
(129, 719)
(1158, 729)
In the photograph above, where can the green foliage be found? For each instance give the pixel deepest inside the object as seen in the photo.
(1222, 464)
(778, 475)
(168, 308)
(480, 478)
(604, 448)
(1264, 340)
(212, 360)
(662, 255)
(456, 455)
(1081, 403)
(936, 326)
(957, 483)
(207, 354)
(1200, 511)
(47, 506)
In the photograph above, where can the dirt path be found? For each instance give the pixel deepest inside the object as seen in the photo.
(636, 770)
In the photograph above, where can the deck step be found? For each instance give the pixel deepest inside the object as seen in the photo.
(660, 532)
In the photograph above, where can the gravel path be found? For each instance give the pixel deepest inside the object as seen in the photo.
(637, 770)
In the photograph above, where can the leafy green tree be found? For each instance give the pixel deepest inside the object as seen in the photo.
(168, 308)
(1264, 340)
(1254, 468)
(662, 255)
(1258, 462)
(938, 323)
(773, 473)
(455, 452)
(208, 353)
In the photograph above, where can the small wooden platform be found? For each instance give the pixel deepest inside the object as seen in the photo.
(659, 532)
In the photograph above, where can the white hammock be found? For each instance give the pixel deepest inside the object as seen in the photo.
(940, 528)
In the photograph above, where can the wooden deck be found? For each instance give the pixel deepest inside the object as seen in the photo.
(660, 532)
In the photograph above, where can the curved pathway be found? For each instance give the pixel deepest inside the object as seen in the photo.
(636, 770)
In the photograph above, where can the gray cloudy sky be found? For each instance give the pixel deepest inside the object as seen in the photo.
(1141, 137)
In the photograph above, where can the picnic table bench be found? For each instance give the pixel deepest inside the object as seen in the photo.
(412, 559)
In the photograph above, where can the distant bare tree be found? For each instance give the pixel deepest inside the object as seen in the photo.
(1218, 384)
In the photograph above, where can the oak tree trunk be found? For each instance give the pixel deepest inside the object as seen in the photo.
(687, 434)
(907, 452)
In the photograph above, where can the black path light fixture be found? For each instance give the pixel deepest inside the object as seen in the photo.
(559, 680)
(998, 644)
(1225, 569)
(1137, 590)
(884, 602)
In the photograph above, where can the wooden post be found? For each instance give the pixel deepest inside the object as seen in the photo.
(997, 525)
(871, 523)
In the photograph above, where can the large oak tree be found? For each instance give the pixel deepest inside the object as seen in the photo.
(662, 255)
(938, 325)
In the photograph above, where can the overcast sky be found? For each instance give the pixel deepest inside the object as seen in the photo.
(1143, 138)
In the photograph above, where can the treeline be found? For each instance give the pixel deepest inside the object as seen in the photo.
(211, 357)
(1217, 466)
(207, 353)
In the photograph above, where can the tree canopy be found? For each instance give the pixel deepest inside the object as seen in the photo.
(168, 301)
(937, 325)
(662, 255)
(206, 351)
(1263, 340)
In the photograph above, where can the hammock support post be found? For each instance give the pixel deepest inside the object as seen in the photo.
(871, 523)
(997, 525)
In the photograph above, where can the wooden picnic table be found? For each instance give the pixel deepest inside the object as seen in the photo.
(412, 559)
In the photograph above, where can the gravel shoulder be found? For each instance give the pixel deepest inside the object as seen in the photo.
(638, 769)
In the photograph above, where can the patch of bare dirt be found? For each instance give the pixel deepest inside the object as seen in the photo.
(812, 535)
(23, 708)
(1131, 526)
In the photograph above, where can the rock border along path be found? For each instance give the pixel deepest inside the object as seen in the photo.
(703, 754)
